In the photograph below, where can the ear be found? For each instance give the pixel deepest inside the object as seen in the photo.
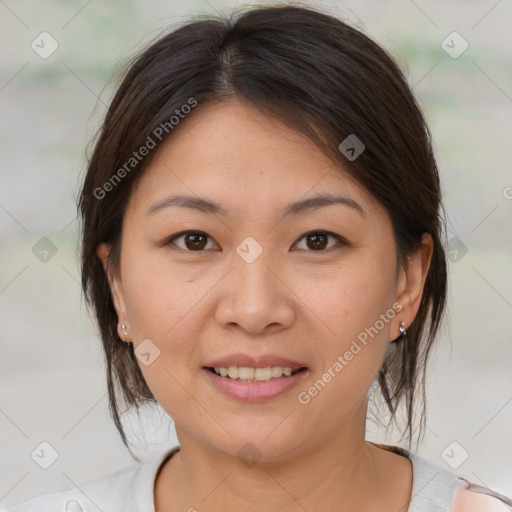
(411, 282)
(116, 289)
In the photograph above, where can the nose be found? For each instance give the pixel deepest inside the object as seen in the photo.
(255, 297)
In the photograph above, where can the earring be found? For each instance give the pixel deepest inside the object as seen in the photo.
(402, 330)
(123, 328)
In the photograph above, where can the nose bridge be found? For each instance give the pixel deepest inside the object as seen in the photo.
(252, 273)
(255, 297)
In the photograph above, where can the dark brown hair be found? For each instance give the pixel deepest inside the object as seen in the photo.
(321, 77)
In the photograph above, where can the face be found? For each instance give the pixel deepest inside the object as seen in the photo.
(252, 284)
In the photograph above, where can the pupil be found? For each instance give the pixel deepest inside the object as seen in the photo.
(197, 243)
(317, 240)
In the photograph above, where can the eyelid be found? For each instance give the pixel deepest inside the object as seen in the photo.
(341, 240)
(172, 238)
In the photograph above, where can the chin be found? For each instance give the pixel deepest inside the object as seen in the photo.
(252, 445)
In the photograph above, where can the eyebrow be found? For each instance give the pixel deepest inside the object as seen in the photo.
(211, 207)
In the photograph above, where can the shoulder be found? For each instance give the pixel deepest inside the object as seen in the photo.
(435, 488)
(107, 493)
(470, 497)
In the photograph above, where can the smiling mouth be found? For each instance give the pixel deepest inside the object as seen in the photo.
(248, 374)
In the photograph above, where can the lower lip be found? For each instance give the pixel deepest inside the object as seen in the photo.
(255, 391)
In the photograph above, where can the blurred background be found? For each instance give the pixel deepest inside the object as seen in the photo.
(59, 64)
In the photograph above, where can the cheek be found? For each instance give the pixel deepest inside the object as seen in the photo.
(164, 306)
(161, 299)
(349, 298)
(352, 307)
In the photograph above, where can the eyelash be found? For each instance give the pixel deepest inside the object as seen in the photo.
(341, 240)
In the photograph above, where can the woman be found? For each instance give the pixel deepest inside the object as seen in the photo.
(262, 241)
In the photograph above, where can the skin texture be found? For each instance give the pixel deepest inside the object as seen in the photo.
(308, 305)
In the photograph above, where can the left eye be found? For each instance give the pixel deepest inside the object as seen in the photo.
(196, 241)
(318, 240)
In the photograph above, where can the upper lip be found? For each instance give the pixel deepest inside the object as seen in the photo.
(261, 361)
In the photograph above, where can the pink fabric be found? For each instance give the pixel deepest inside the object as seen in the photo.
(467, 500)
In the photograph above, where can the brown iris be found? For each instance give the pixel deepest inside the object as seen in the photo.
(319, 240)
(195, 240)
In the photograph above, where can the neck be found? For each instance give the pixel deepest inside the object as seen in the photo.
(345, 473)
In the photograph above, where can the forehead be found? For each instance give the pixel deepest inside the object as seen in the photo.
(244, 159)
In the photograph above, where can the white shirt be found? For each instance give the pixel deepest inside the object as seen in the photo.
(132, 490)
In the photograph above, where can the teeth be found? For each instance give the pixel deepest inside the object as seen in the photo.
(276, 371)
(248, 373)
(258, 374)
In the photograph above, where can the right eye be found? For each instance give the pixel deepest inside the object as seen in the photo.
(194, 241)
